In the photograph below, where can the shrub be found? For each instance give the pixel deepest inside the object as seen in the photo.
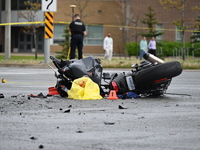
(168, 48)
(132, 48)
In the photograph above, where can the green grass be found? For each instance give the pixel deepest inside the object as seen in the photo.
(189, 63)
(15, 59)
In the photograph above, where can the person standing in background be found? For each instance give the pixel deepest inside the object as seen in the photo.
(143, 47)
(152, 46)
(78, 31)
(108, 46)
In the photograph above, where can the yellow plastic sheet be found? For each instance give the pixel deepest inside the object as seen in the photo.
(84, 89)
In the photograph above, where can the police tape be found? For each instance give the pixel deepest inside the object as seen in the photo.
(113, 26)
(21, 23)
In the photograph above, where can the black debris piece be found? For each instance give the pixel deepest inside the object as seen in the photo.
(33, 138)
(67, 111)
(41, 147)
(79, 131)
(1, 95)
(109, 123)
(141, 117)
(120, 107)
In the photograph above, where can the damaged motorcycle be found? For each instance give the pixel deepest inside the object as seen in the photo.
(149, 78)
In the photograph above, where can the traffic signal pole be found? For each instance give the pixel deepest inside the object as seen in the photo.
(7, 48)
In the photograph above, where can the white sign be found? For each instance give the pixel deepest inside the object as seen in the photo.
(49, 5)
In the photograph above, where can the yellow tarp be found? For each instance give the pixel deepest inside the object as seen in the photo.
(84, 89)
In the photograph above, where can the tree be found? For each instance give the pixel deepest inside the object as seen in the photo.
(66, 45)
(178, 5)
(196, 37)
(30, 15)
(81, 5)
(150, 21)
(125, 18)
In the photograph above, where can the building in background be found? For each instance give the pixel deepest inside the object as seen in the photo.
(100, 17)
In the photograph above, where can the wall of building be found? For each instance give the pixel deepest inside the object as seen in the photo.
(96, 12)
(109, 10)
(105, 12)
(167, 17)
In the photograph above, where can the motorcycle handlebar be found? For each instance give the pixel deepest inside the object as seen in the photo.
(55, 61)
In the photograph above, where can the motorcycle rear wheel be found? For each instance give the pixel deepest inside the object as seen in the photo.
(158, 72)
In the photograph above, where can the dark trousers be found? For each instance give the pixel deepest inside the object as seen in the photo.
(76, 41)
(152, 51)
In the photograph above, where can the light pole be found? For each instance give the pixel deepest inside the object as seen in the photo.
(7, 49)
(73, 6)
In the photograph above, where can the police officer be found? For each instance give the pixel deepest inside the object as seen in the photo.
(78, 32)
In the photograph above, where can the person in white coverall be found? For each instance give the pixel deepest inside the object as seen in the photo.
(108, 46)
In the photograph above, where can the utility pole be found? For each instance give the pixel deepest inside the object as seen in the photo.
(72, 6)
(7, 48)
(183, 29)
(127, 19)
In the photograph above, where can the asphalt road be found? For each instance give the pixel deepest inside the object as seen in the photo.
(168, 122)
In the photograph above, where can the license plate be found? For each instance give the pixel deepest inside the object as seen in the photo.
(130, 83)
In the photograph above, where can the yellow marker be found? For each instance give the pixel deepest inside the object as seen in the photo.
(3, 80)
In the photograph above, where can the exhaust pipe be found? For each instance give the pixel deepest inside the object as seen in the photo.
(153, 59)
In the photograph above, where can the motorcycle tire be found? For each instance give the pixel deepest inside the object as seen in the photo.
(158, 72)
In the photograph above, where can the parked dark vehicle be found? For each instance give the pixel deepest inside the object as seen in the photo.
(150, 78)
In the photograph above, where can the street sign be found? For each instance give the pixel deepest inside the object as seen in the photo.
(49, 5)
(49, 25)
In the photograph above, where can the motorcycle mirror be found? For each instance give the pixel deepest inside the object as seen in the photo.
(135, 66)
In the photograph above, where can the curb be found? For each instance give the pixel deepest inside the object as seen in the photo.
(43, 65)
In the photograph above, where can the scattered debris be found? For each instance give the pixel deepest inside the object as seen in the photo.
(1, 95)
(41, 147)
(33, 138)
(141, 117)
(15, 96)
(79, 131)
(109, 123)
(67, 111)
(40, 95)
(48, 107)
(120, 107)
(102, 110)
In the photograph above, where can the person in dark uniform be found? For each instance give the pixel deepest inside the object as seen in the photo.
(78, 31)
